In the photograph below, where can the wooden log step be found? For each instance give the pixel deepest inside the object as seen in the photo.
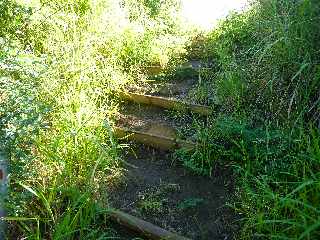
(166, 103)
(153, 140)
(146, 229)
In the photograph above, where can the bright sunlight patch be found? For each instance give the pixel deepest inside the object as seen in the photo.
(206, 13)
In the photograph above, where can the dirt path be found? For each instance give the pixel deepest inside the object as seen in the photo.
(166, 194)
(160, 190)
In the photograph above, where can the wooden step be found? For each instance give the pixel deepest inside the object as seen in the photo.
(153, 140)
(146, 229)
(166, 103)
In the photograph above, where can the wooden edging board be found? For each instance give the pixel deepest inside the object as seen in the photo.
(165, 103)
(156, 141)
(149, 230)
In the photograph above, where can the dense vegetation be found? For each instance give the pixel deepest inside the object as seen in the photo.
(61, 60)
(266, 77)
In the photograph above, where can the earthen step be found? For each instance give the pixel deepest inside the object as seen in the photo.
(167, 103)
(149, 125)
(157, 141)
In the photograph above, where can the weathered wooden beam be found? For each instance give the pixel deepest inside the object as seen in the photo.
(142, 227)
(165, 103)
(161, 142)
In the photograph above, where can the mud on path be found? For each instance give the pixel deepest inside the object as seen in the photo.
(165, 193)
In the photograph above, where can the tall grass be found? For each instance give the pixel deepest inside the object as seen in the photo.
(57, 101)
(268, 57)
(266, 76)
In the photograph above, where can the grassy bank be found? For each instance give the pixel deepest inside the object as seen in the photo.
(265, 75)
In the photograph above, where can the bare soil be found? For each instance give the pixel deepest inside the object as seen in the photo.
(166, 194)
(177, 89)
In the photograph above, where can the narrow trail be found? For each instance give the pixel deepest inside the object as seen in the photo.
(156, 187)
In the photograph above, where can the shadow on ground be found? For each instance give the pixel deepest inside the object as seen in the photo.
(165, 193)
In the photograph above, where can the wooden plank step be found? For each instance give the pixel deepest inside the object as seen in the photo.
(146, 229)
(166, 103)
(153, 140)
